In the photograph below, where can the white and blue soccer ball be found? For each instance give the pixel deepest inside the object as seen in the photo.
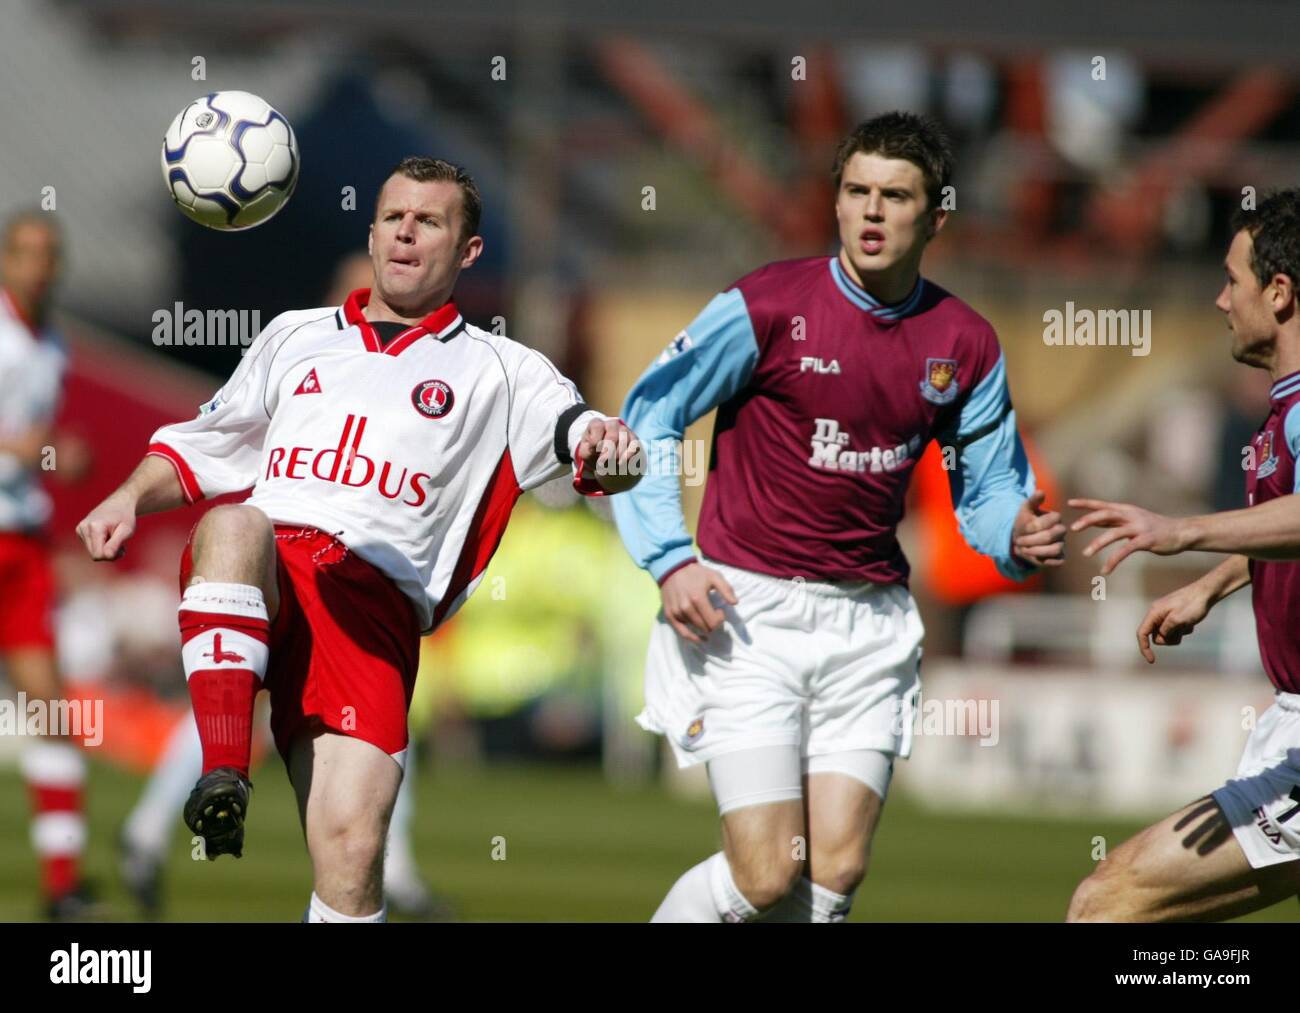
(230, 161)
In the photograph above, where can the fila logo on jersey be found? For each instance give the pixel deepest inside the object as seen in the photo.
(829, 451)
(808, 362)
(309, 385)
(432, 399)
(344, 464)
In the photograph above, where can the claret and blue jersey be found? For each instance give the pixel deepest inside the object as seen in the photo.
(826, 399)
(1275, 584)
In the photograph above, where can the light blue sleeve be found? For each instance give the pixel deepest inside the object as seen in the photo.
(704, 365)
(1291, 431)
(993, 476)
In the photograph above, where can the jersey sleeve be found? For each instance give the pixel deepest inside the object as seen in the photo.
(547, 419)
(705, 365)
(993, 476)
(218, 451)
(1291, 432)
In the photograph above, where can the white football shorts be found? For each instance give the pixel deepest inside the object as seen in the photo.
(827, 667)
(1263, 801)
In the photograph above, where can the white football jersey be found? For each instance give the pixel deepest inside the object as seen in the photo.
(411, 453)
(31, 375)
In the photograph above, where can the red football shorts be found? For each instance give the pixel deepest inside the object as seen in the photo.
(26, 592)
(345, 644)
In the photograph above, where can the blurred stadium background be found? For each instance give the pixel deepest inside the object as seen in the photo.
(1109, 193)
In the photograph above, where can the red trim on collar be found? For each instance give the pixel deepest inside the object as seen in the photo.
(437, 321)
(18, 314)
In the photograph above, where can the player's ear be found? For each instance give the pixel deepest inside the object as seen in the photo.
(1282, 289)
(473, 249)
(937, 216)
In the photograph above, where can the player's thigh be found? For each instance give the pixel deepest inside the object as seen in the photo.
(759, 797)
(34, 671)
(1187, 867)
(345, 787)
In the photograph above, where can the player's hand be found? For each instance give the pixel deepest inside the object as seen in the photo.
(1038, 538)
(105, 529)
(1140, 530)
(1173, 617)
(611, 453)
(687, 605)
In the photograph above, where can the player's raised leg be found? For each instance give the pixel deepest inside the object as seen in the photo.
(1187, 867)
(228, 602)
(346, 790)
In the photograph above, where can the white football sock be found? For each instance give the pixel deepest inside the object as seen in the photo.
(399, 857)
(809, 902)
(706, 893)
(319, 911)
(151, 822)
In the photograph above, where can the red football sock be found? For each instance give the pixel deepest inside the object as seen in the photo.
(55, 773)
(225, 659)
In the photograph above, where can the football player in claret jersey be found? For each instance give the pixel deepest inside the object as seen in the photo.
(796, 686)
(386, 441)
(32, 362)
(1235, 850)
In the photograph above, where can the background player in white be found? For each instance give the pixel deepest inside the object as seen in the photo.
(1236, 850)
(830, 375)
(32, 362)
(386, 442)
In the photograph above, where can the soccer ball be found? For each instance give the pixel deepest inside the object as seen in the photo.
(230, 161)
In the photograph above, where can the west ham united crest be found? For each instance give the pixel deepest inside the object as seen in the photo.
(432, 398)
(1264, 455)
(940, 384)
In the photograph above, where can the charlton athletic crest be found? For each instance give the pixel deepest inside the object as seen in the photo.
(940, 384)
(432, 399)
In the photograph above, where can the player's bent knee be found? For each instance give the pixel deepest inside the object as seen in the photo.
(842, 875)
(764, 885)
(235, 519)
(1096, 898)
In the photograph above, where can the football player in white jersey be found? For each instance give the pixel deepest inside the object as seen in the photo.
(386, 441)
(32, 361)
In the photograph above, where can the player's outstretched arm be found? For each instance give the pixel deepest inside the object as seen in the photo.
(1268, 531)
(1176, 614)
(153, 486)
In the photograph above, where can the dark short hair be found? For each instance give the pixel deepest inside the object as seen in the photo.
(913, 138)
(1275, 234)
(434, 170)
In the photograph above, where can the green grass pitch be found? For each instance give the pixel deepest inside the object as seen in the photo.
(575, 849)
